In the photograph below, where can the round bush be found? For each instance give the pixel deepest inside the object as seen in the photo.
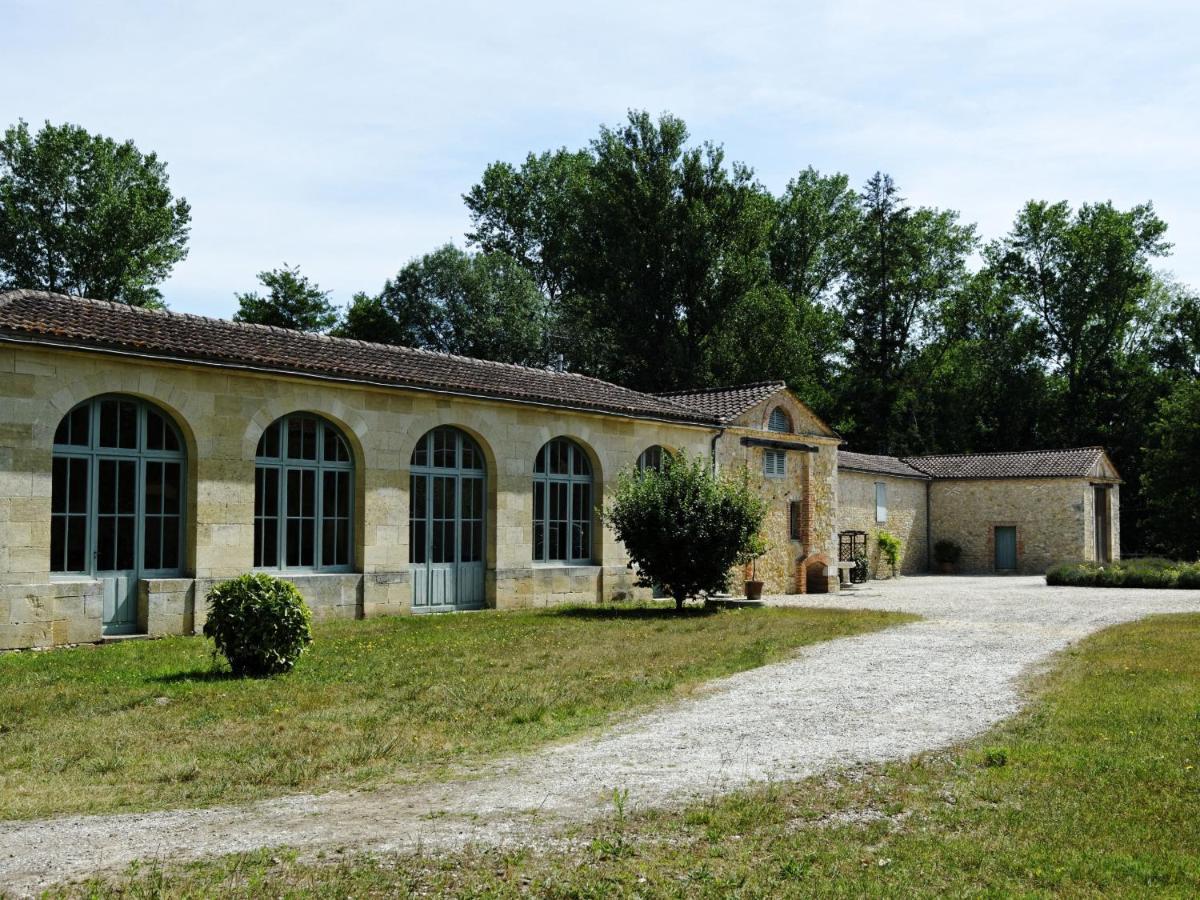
(261, 624)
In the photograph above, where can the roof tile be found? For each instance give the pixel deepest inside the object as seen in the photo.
(1075, 463)
(97, 324)
(725, 404)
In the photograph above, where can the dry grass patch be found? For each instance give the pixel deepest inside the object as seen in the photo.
(154, 724)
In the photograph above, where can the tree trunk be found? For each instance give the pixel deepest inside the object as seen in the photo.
(679, 598)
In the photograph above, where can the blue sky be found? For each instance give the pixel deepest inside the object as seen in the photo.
(341, 136)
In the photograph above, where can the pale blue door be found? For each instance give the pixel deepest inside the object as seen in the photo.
(1006, 548)
(446, 523)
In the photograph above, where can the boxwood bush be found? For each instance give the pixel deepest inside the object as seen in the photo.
(1147, 572)
(261, 624)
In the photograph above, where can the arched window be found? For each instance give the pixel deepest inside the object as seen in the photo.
(117, 496)
(303, 496)
(653, 458)
(780, 421)
(562, 503)
(447, 491)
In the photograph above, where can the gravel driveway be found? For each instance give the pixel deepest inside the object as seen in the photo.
(876, 696)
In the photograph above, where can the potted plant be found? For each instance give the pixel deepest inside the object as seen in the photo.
(946, 554)
(754, 548)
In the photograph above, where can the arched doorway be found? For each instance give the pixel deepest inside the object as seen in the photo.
(117, 498)
(446, 532)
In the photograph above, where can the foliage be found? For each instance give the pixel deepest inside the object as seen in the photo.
(948, 552)
(889, 546)
(291, 301)
(1171, 485)
(1104, 759)
(374, 702)
(261, 624)
(1145, 572)
(902, 265)
(82, 214)
(685, 528)
(483, 305)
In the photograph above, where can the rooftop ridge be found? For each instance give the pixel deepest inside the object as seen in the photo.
(9, 295)
(86, 322)
(721, 390)
(969, 453)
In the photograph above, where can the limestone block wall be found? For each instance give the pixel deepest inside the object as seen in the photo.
(1052, 517)
(221, 414)
(907, 518)
(811, 478)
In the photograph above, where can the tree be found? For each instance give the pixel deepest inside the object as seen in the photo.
(1171, 487)
(902, 265)
(291, 301)
(1086, 276)
(642, 244)
(482, 305)
(683, 527)
(810, 237)
(81, 214)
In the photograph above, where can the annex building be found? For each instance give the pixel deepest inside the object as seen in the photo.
(145, 455)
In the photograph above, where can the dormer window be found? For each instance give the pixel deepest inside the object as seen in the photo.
(780, 421)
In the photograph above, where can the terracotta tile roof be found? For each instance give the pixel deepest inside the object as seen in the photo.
(725, 404)
(880, 465)
(95, 324)
(1076, 463)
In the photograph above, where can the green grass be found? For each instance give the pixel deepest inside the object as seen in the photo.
(1146, 572)
(1093, 791)
(152, 724)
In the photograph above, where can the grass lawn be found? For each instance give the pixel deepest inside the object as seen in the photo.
(152, 724)
(1094, 791)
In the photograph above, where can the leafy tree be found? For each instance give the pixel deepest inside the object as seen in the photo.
(82, 214)
(642, 244)
(902, 265)
(810, 236)
(983, 381)
(481, 305)
(368, 319)
(291, 301)
(1086, 276)
(533, 215)
(1171, 486)
(683, 527)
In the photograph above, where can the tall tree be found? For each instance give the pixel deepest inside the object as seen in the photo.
(1087, 276)
(482, 305)
(82, 214)
(901, 266)
(291, 301)
(1171, 486)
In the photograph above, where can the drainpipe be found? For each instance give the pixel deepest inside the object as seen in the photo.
(713, 449)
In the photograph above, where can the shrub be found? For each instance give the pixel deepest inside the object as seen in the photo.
(683, 527)
(1131, 573)
(261, 624)
(947, 552)
(889, 546)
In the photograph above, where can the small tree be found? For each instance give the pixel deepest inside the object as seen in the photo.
(683, 527)
(292, 301)
(889, 546)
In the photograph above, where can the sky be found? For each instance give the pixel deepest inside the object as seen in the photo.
(340, 136)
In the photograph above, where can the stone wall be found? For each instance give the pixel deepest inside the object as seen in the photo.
(221, 414)
(810, 478)
(1052, 516)
(906, 518)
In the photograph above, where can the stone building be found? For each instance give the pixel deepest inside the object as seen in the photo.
(1008, 512)
(145, 455)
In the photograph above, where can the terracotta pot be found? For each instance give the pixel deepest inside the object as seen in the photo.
(753, 590)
